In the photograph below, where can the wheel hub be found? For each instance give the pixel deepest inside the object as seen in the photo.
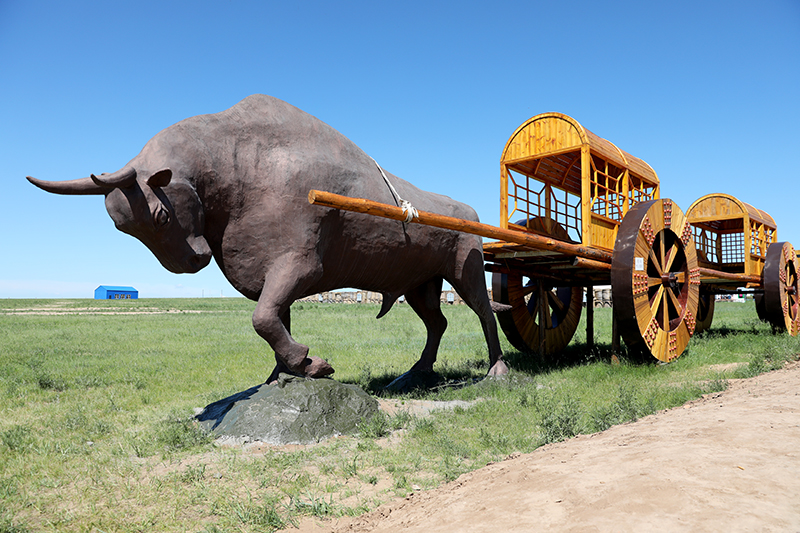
(669, 280)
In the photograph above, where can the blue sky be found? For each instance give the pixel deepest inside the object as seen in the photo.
(707, 92)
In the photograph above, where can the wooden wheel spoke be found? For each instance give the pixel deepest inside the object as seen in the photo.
(548, 322)
(793, 301)
(653, 282)
(665, 312)
(535, 311)
(656, 301)
(681, 277)
(673, 251)
(675, 302)
(656, 262)
(663, 254)
(791, 279)
(555, 301)
(528, 289)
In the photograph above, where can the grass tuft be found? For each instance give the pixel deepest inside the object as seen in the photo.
(181, 434)
(560, 418)
(17, 438)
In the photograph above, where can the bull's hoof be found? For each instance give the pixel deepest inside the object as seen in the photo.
(414, 380)
(318, 368)
(498, 369)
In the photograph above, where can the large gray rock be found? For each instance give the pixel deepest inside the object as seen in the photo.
(292, 411)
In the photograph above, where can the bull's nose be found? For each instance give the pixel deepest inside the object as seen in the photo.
(199, 261)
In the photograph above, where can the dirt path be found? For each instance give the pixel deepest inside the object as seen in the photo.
(727, 462)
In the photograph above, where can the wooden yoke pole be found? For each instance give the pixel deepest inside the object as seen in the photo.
(539, 242)
(717, 274)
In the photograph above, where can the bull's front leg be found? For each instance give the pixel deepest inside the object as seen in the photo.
(282, 285)
(471, 285)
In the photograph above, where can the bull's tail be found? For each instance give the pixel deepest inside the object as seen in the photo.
(388, 301)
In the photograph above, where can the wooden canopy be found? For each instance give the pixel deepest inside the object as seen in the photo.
(714, 210)
(554, 133)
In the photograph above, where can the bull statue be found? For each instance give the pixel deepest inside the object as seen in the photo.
(234, 185)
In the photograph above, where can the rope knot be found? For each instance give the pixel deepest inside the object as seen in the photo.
(408, 210)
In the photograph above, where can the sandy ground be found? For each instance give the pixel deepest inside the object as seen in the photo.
(727, 462)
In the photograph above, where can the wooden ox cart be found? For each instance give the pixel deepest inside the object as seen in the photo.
(576, 212)
(734, 237)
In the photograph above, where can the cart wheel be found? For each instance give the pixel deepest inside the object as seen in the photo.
(705, 312)
(655, 280)
(782, 288)
(521, 323)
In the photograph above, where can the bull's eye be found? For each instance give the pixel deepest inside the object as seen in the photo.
(162, 217)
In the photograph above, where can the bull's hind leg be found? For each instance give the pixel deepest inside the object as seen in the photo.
(283, 283)
(471, 286)
(425, 301)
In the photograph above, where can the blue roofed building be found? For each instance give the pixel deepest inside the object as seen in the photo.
(109, 292)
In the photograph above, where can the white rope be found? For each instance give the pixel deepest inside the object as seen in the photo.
(408, 209)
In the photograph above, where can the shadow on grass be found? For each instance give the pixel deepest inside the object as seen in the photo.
(463, 373)
(573, 355)
(447, 378)
(753, 328)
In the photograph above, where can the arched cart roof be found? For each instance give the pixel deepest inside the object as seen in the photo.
(551, 133)
(720, 206)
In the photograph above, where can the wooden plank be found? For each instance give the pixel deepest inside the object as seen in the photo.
(503, 196)
(523, 254)
(713, 218)
(370, 207)
(709, 275)
(588, 263)
(497, 245)
(586, 197)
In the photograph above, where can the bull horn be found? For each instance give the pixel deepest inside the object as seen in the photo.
(120, 179)
(80, 186)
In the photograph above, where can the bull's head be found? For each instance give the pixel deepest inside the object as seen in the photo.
(166, 215)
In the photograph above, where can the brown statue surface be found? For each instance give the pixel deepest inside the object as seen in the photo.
(234, 185)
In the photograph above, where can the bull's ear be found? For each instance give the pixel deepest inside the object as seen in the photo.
(160, 178)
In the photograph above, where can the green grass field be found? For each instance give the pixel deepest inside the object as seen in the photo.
(97, 399)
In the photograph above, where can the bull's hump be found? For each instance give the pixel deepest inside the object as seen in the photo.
(269, 122)
(268, 110)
